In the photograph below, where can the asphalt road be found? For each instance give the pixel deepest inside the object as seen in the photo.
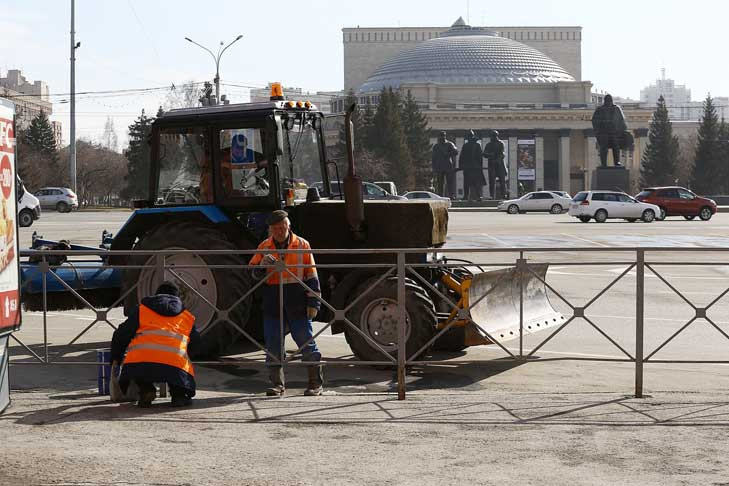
(553, 421)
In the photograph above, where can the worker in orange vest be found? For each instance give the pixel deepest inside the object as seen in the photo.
(300, 304)
(153, 344)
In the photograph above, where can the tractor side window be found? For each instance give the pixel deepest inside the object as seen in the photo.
(243, 165)
(184, 170)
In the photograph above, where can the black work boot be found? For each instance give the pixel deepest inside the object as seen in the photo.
(316, 381)
(275, 374)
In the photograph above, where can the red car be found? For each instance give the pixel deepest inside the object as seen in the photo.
(677, 201)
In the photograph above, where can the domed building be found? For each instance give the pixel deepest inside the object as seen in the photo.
(524, 82)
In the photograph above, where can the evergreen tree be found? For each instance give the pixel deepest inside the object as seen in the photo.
(707, 172)
(418, 140)
(40, 136)
(388, 131)
(658, 167)
(138, 159)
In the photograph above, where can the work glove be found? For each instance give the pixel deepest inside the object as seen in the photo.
(268, 259)
(311, 312)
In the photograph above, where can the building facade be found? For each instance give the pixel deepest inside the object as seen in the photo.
(525, 82)
(29, 98)
(678, 100)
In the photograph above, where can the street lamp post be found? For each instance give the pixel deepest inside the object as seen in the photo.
(221, 50)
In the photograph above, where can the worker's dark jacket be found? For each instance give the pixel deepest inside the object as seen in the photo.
(164, 305)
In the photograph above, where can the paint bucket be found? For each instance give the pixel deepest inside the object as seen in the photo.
(103, 357)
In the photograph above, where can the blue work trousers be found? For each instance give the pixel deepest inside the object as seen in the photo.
(301, 331)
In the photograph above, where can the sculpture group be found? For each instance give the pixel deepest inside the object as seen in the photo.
(470, 161)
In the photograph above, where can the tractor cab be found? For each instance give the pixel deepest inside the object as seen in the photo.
(251, 157)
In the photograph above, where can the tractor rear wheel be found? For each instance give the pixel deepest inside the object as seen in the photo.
(221, 287)
(376, 315)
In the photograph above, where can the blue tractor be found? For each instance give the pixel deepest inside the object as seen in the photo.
(216, 173)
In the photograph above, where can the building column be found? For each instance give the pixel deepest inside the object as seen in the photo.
(640, 135)
(565, 163)
(539, 150)
(513, 170)
(592, 158)
(460, 190)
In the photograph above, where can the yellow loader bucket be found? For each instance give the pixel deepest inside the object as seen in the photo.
(498, 312)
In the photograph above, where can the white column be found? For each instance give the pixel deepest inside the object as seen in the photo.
(592, 160)
(539, 149)
(565, 163)
(513, 172)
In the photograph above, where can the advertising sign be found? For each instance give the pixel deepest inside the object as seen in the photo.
(9, 269)
(526, 160)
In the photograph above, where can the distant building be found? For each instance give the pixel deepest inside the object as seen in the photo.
(320, 98)
(678, 100)
(524, 81)
(29, 98)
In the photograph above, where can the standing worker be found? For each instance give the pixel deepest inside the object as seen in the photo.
(300, 304)
(153, 344)
(471, 162)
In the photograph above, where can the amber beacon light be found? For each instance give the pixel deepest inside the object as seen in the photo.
(276, 92)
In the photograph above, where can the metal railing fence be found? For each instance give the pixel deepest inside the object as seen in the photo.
(633, 259)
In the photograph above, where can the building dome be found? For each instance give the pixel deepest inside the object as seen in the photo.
(467, 55)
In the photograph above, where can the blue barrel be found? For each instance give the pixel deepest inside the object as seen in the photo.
(103, 357)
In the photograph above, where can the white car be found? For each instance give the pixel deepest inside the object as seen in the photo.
(536, 201)
(29, 208)
(423, 195)
(602, 205)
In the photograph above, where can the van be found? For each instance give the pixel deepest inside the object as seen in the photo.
(29, 208)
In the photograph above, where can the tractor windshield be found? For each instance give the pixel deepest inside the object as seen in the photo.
(301, 165)
(184, 169)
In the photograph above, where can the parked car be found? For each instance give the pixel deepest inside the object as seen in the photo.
(29, 208)
(62, 199)
(425, 195)
(536, 201)
(370, 191)
(389, 186)
(602, 205)
(678, 201)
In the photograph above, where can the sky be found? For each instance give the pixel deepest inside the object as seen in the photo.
(134, 44)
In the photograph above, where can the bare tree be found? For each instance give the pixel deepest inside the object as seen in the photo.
(99, 171)
(184, 96)
(109, 138)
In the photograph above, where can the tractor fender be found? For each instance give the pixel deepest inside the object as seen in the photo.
(146, 219)
(341, 292)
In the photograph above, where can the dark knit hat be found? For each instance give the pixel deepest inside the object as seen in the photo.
(276, 217)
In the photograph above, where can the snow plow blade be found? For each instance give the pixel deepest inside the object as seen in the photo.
(498, 312)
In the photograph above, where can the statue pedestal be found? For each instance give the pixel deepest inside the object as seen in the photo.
(611, 179)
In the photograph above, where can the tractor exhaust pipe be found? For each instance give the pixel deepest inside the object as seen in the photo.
(353, 199)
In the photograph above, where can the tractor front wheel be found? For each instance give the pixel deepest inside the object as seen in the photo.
(204, 291)
(376, 314)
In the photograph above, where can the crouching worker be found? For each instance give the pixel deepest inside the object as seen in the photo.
(300, 305)
(153, 344)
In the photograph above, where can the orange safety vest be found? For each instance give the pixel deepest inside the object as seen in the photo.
(290, 259)
(162, 339)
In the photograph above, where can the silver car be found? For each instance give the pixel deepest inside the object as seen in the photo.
(62, 199)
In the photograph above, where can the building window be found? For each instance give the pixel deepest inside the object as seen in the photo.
(356, 37)
(560, 36)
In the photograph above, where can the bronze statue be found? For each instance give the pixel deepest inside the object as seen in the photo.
(608, 122)
(494, 153)
(444, 164)
(471, 162)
